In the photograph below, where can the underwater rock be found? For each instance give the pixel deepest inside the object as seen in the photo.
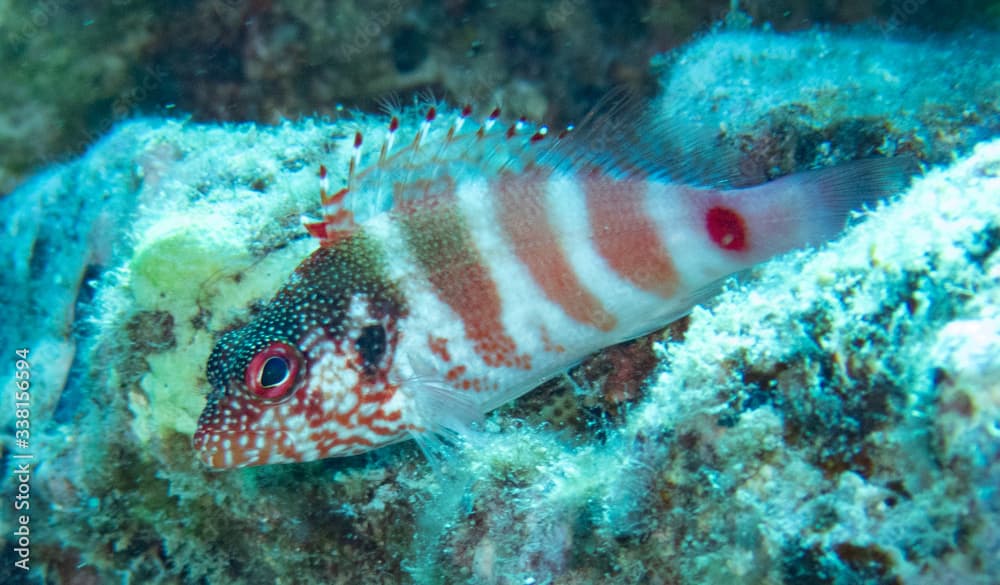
(798, 101)
(73, 72)
(833, 420)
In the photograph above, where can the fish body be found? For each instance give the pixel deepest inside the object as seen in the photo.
(465, 264)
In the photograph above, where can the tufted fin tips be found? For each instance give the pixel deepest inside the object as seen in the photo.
(424, 151)
(316, 229)
(330, 231)
(338, 221)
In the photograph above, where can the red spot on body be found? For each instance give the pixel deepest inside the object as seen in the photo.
(454, 373)
(524, 219)
(726, 228)
(469, 384)
(547, 342)
(390, 416)
(439, 347)
(625, 236)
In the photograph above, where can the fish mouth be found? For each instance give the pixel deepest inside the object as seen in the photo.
(244, 448)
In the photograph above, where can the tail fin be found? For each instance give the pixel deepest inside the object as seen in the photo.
(850, 186)
(812, 207)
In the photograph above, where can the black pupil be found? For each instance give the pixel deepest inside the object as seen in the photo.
(371, 347)
(275, 371)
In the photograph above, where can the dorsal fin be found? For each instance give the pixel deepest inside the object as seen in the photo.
(624, 137)
(442, 141)
(338, 221)
(619, 136)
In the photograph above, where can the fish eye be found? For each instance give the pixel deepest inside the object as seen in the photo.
(273, 371)
(371, 346)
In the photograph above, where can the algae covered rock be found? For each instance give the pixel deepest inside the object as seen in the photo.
(797, 101)
(832, 419)
(75, 70)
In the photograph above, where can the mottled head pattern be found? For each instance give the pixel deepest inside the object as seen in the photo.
(308, 378)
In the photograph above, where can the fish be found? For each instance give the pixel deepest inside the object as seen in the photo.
(464, 262)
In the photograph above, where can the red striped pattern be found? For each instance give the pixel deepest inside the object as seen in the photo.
(625, 236)
(523, 217)
(440, 240)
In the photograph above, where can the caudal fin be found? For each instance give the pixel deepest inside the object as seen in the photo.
(850, 186)
(806, 208)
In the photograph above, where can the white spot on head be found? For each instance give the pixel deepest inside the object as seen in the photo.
(357, 311)
(347, 402)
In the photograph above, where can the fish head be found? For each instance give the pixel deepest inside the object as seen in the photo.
(312, 375)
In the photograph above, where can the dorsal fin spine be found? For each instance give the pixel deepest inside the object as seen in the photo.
(537, 137)
(389, 140)
(425, 127)
(337, 221)
(324, 185)
(526, 149)
(489, 122)
(462, 117)
(355, 160)
(515, 128)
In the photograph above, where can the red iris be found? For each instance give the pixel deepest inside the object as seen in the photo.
(272, 373)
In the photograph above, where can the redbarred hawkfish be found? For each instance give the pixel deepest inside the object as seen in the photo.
(466, 262)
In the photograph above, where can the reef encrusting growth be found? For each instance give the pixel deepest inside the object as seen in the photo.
(797, 102)
(834, 420)
(74, 70)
